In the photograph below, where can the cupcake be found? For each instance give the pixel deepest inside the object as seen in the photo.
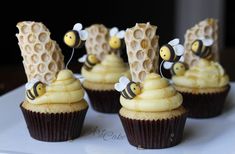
(100, 79)
(204, 88)
(152, 114)
(54, 108)
(154, 117)
(103, 66)
(205, 84)
(55, 112)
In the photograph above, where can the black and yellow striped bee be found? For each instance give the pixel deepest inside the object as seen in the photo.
(171, 53)
(176, 68)
(202, 47)
(34, 89)
(75, 38)
(116, 36)
(128, 89)
(179, 68)
(89, 61)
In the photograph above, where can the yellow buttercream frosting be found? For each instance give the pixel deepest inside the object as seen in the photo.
(108, 71)
(156, 95)
(65, 89)
(206, 74)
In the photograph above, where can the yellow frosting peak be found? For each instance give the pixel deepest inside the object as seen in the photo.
(108, 71)
(153, 76)
(203, 62)
(65, 89)
(206, 74)
(156, 95)
(64, 75)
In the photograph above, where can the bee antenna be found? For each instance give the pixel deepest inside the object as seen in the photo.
(70, 59)
(161, 70)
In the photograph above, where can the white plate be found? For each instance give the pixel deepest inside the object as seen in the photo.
(103, 133)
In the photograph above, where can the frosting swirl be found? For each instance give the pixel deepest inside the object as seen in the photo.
(156, 95)
(108, 71)
(206, 74)
(65, 89)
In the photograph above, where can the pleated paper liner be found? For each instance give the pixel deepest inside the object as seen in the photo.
(204, 105)
(52, 127)
(105, 101)
(154, 134)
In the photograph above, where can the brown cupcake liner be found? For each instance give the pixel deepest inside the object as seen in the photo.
(154, 134)
(204, 105)
(104, 101)
(51, 127)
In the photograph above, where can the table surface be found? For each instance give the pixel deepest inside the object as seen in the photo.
(103, 133)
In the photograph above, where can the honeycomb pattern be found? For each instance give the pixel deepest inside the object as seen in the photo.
(97, 41)
(142, 50)
(42, 57)
(207, 28)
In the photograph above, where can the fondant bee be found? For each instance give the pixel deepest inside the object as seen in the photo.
(34, 89)
(75, 38)
(171, 54)
(128, 89)
(176, 68)
(202, 47)
(179, 68)
(89, 61)
(172, 51)
(115, 38)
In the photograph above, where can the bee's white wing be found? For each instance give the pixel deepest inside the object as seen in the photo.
(119, 87)
(181, 59)
(174, 42)
(207, 42)
(77, 27)
(83, 34)
(123, 81)
(30, 84)
(82, 59)
(167, 65)
(121, 34)
(179, 49)
(113, 31)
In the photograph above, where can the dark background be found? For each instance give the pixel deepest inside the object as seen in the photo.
(229, 24)
(60, 17)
